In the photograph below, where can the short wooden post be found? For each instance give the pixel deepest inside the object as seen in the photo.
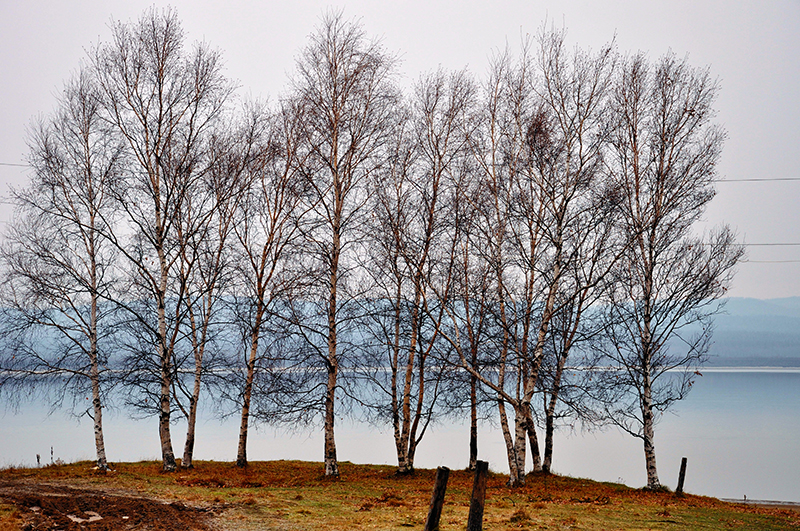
(681, 477)
(437, 499)
(475, 522)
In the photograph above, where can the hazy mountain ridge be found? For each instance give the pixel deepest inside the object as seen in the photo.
(757, 332)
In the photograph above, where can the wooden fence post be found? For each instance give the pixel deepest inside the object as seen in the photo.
(681, 477)
(475, 522)
(437, 499)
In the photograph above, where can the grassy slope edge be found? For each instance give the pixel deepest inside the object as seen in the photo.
(294, 495)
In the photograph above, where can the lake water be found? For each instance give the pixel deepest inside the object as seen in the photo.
(739, 429)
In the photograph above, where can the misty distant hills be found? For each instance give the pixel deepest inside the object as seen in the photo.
(757, 333)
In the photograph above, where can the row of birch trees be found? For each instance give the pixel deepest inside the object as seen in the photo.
(518, 247)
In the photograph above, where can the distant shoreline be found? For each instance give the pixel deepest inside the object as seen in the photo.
(773, 504)
(745, 368)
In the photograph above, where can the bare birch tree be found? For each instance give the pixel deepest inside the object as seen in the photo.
(344, 83)
(161, 99)
(465, 297)
(577, 326)
(412, 225)
(497, 150)
(666, 150)
(58, 269)
(539, 153)
(205, 224)
(267, 227)
(559, 190)
(485, 248)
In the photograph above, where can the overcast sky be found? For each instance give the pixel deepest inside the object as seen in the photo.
(753, 47)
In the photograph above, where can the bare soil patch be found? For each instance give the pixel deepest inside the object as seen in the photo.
(47, 507)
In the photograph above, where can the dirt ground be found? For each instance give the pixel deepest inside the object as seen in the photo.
(46, 507)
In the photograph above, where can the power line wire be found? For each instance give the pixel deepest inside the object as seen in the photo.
(791, 244)
(771, 244)
(771, 261)
(768, 179)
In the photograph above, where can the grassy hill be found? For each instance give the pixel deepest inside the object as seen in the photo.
(293, 495)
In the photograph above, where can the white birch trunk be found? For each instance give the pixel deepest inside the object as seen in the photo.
(188, 449)
(648, 435)
(396, 414)
(520, 430)
(514, 476)
(97, 406)
(165, 357)
(331, 462)
(332, 363)
(241, 452)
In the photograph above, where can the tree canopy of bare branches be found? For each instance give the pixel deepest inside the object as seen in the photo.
(162, 100)
(355, 248)
(666, 150)
(344, 84)
(58, 268)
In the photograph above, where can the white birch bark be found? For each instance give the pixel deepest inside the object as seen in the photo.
(344, 86)
(57, 263)
(161, 100)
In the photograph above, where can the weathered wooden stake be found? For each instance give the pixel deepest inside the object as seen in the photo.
(475, 521)
(681, 477)
(437, 499)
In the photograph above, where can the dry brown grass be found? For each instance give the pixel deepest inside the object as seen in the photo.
(293, 495)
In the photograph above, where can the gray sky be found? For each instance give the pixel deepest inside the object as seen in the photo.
(753, 47)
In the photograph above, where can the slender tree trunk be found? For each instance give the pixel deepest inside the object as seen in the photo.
(549, 430)
(194, 401)
(648, 435)
(547, 316)
(526, 412)
(191, 420)
(405, 419)
(396, 420)
(533, 440)
(188, 449)
(413, 439)
(520, 430)
(550, 412)
(473, 418)
(241, 452)
(646, 400)
(167, 455)
(548, 436)
(516, 473)
(566, 346)
(473, 386)
(331, 462)
(99, 442)
(332, 361)
(514, 477)
(97, 406)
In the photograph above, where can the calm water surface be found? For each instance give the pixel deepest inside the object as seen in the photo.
(740, 431)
